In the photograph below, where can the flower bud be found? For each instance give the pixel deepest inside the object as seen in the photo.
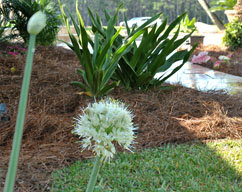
(36, 23)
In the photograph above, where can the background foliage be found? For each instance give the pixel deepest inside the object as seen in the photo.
(233, 34)
(18, 12)
(137, 8)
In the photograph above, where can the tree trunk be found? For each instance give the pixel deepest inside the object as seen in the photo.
(212, 16)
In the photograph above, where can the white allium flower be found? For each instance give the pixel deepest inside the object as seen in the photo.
(104, 123)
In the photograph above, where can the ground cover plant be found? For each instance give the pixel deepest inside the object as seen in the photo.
(214, 166)
(179, 115)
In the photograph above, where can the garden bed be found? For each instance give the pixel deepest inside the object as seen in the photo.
(177, 115)
(235, 67)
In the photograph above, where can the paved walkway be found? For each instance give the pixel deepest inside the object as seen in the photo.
(204, 79)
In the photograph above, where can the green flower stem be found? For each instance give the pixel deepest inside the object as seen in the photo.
(93, 178)
(12, 168)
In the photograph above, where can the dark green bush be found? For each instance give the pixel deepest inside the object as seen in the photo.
(23, 9)
(155, 53)
(233, 34)
(4, 25)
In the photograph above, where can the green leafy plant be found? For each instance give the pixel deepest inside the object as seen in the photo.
(142, 62)
(99, 64)
(139, 66)
(22, 11)
(187, 25)
(233, 34)
(222, 5)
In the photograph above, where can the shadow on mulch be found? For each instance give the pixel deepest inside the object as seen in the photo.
(179, 115)
(235, 67)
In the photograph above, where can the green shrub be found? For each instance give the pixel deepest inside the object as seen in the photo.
(139, 65)
(4, 24)
(24, 9)
(97, 66)
(233, 34)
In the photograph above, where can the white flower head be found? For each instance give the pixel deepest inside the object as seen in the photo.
(224, 58)
(104, 123)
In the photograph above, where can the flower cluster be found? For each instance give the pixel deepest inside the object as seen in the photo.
(15, 50)
(221, 59)
(104, 123)
(203, 57)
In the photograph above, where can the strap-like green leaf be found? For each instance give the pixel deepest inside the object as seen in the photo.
(77, 83)
(101, 57)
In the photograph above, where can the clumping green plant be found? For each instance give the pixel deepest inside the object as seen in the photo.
(36, 23)
(154, 54)
(100, 126)
(22, 11)
(233, 34)
(96, 57)
(140, 63)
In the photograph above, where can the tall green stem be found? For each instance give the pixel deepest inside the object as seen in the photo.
(93, 178)
(12, 168)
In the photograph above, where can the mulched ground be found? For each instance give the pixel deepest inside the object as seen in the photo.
(178, 115)
(235, 68)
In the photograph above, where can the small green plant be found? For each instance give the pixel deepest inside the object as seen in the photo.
(233, 34)
(96, 57)
(22, 11)
(187, 25)
(222, 5)
(140, 63)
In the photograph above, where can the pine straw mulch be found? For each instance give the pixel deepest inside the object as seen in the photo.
(179, 115)
(235, 67)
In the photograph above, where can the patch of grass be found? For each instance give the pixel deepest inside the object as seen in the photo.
(215, 166)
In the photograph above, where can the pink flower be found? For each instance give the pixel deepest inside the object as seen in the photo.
(213, 59)
(22, 49)
(217, 64)
(13, 53)
(202, 57)
(229, 55)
